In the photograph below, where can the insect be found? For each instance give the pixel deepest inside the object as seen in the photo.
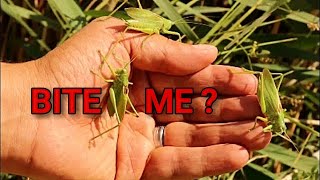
(269, 101)
(148, 22)
(118, 97)
(270, 104)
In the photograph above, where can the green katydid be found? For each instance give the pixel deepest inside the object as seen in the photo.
(269, 101)
(118, 92)
(148, 22)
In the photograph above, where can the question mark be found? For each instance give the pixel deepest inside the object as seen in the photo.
(212, 93)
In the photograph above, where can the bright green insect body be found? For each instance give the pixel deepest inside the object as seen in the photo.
(270, 104)
(148, 22)
(118, 93)
(268, 97)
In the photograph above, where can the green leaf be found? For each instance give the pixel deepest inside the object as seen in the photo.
(174, 16)
(303, 17)
(312, 96)
(72, 15)
(272, 67)
(28, 14)
(311, 73)
(96, 13)
(288, 157)
(9, 8)
(264, 171)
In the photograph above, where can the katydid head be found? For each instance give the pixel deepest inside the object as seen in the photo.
(167, 24)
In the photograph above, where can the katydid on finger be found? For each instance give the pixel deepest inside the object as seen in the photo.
(148, 22)
(270, 104)
(268, 97)
(118, 98)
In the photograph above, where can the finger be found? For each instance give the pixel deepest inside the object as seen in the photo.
(159, 54)
(216, 76)
(224, 110)
(199, 135)
(191, 163)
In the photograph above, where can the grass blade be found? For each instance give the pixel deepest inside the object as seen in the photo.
(28, 14)
(71, 14)
(288, 157)
(8, 8)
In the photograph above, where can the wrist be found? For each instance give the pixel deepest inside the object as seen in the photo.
(18, 127)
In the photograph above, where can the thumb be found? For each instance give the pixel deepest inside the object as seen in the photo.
(159, 54)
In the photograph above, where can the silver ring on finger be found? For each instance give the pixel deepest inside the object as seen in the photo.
(158, 136)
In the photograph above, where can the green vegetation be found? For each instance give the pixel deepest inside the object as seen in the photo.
(280, 35)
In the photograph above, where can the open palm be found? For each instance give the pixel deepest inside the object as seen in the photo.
(195, 145)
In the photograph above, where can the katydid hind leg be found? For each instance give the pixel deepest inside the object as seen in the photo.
(131, 105)
(131, 113)
(101, 77)
(280, 81)
(172, 33)
(104, 132)
(149, 31)
(280, 77)
(105, 60)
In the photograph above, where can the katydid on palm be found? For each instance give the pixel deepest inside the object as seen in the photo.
(118, 92)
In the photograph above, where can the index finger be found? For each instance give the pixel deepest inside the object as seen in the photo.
(157, 53)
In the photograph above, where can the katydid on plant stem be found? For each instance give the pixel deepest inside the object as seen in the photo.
(118, 92)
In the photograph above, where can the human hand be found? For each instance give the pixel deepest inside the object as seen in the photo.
(60, 143)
